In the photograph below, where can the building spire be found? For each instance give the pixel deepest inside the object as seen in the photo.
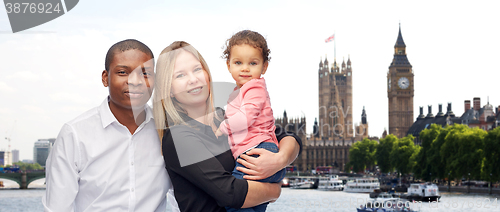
(400, 59)
(400, 42)
(363, 116)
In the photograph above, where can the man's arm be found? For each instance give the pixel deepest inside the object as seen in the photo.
(62, 174)
(269, 163)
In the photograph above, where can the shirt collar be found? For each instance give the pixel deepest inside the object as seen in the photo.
(108, 118)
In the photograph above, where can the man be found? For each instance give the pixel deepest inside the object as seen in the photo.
(109, 158)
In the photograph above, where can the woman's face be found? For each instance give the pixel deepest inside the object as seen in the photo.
(190, 81)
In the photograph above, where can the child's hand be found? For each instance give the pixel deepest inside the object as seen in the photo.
(218, 132)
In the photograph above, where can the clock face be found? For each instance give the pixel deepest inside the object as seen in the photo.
(403, 83)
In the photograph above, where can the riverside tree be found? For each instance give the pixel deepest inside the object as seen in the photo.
(426, 159)
(383, 153)
(362, 154)
(401, 152)
(462, 151)
(490, 170)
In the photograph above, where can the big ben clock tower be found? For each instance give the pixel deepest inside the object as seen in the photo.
(400, 89)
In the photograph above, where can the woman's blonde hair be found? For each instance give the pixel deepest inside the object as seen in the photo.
(166, 108)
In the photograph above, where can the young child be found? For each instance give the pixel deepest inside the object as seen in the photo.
(249, 118)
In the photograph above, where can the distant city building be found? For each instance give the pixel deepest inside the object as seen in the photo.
(5, 158)
(41, 150)
(2, 158)
(27, 161)
(486, 118)
(15, 156)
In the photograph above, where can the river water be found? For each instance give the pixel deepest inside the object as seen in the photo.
(29, 200)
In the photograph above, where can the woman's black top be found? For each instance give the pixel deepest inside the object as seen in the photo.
(200, 167)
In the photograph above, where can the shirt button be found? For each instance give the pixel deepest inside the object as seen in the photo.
(131, 163)
(132, 189)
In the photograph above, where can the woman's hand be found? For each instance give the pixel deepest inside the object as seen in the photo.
(268, 163)
(264, 166)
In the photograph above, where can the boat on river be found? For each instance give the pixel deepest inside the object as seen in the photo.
(362, 185)
(423, 192)
(330, 183)
(304, 182)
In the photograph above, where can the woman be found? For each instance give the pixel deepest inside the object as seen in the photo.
(199, 163)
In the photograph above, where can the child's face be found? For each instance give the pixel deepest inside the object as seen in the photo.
(246, 63)
(130, 79)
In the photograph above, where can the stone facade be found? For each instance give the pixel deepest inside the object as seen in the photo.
(400, 90)
(334, 135)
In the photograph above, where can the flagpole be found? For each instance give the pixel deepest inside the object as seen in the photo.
(334, 47)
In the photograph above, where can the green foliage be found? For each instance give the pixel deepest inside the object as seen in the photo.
(362, 154)
(449, 149)
(414, 157)
(28, 166)
(383, 153)
(429, 156)
(435, 160)
(456, 150)
(462, 151)
(401, 152)
(490, 170)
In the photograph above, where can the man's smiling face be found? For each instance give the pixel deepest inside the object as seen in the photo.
(130, 79)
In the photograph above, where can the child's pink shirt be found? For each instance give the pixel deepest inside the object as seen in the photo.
(249, 117)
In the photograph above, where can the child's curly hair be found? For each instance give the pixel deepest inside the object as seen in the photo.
(250, 38)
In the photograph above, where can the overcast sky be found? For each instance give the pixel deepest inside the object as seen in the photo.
(52, 73)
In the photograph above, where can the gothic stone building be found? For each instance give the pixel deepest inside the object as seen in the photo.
(400, 90)
(333, 136)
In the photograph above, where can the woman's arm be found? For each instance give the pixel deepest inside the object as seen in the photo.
(269, 163)
(209, 174)
(259, 193)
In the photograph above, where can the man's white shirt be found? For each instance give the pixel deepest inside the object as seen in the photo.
(97, 165)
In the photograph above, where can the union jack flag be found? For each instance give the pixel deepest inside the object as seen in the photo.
(329, 38)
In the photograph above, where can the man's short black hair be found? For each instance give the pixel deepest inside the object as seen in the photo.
(124, 46)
